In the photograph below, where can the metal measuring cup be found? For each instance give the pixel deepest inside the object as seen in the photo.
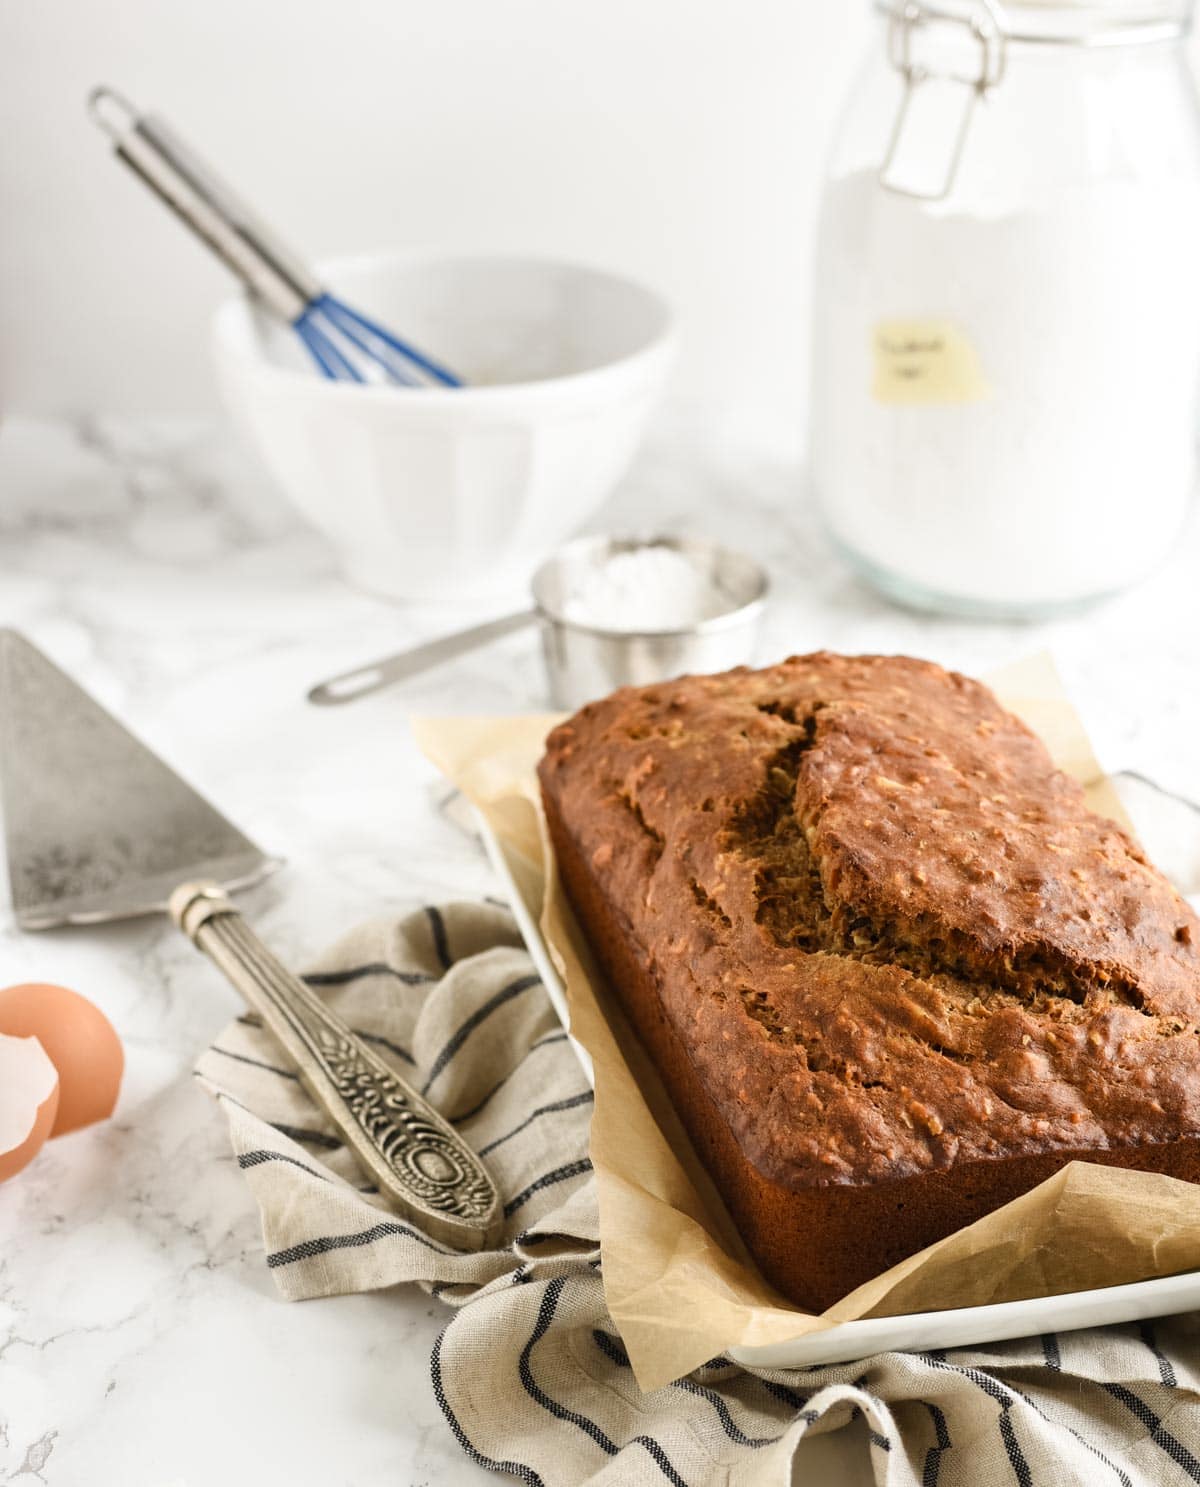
(584, 662)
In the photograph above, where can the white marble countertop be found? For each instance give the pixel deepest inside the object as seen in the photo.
(141, 1341)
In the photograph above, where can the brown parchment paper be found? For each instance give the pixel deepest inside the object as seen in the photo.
(677, 1279)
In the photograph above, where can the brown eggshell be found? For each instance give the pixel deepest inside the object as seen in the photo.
(28, 1102)
(81, 1042)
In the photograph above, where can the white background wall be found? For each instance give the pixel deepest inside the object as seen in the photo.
(679, 140)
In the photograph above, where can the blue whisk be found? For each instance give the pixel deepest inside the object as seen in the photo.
(344, 344)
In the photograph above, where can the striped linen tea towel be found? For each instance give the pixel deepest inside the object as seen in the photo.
(529, 1371)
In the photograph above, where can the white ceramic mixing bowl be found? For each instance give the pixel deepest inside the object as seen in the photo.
(446, 491)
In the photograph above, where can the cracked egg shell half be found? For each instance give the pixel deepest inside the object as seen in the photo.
(82, 1045)
(28, 1102)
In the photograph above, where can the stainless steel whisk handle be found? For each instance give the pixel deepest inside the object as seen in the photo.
(235, 233)
(422, 1165)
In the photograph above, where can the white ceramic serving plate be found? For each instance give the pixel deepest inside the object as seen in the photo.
(437, 492)
(914, 1332)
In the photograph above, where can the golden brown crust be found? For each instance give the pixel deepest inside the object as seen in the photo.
(876, 943)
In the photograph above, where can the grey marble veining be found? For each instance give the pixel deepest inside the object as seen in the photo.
(140, 1338)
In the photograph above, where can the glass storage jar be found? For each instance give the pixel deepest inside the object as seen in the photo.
(1007, 309)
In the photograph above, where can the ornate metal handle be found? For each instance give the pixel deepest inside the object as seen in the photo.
(420, 1162)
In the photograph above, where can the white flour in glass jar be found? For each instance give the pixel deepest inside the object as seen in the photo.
(1004, 404)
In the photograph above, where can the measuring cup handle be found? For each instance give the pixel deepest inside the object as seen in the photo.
(364, 680)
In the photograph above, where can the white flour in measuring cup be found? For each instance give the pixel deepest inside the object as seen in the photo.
(652, 589)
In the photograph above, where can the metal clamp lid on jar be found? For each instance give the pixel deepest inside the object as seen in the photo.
(990, 27)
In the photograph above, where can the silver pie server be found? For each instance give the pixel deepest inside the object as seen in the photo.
(99, 828)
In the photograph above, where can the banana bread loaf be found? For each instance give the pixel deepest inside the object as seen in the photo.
(891, 968)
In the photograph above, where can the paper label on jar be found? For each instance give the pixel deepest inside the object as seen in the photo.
(925, 361)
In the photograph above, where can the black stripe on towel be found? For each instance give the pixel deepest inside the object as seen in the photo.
(360, 973)
(1166, 1370)
(545, 1316)
(293, 1133)
(876, 1437)
(1006, 1400)
(513, 1468)
(1050, 1351)
(589, 1427)
(728, 1424)
(614, 1350)
(1121, 1476)
(1163, 1439)
(499, 1085)
(255, 1063)
(381, 1042)
(571, 1103)
(781, 1392)
(659, 1457)
(257, 1158)
(1015, 1455)
(612, 1347)
(560, 1174)
(549, 1038)
(481, 1014)
(441, 945)
(942, 1442)
(314, 1138)
(308, 1249)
